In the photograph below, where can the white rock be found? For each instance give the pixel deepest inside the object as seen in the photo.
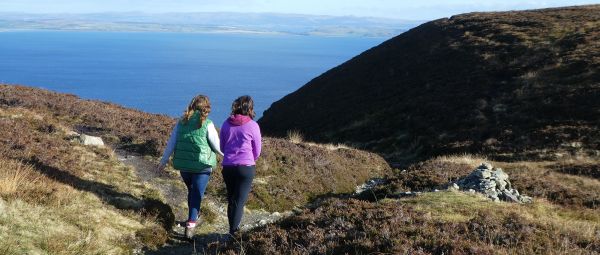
(500, 185)
(499, 174)
(91, 140)
(263, 222)
(276, 214)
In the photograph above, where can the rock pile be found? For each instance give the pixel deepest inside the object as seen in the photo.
(493, 183)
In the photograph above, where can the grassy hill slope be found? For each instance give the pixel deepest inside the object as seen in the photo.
(58, 196)
(513, 85)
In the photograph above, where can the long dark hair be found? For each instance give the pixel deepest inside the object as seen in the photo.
(243, 105)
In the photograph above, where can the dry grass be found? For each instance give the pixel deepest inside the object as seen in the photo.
(295, 136)
(465, 159)
(50, 186)
(16, 176)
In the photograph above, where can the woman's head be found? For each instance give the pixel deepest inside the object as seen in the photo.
(243, 105)
(199, 104)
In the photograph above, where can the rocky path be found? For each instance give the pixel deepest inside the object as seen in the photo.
(174, 192)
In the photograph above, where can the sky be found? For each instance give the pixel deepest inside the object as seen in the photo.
(399, 9)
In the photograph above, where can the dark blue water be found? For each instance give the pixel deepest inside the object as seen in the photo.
(161, 72)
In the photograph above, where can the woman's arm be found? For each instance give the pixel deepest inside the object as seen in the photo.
(170, 146)
(256, 142)
(213, 139)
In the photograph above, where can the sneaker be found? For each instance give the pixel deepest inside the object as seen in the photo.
(189, 229)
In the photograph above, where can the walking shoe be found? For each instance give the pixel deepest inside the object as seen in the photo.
(189, 229)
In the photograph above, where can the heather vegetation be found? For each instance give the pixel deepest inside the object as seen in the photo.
(57, 196)
(387, 220)
(45, 168)
(515, 85)
(518, 90)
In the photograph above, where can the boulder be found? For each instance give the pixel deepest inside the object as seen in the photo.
(91, 140)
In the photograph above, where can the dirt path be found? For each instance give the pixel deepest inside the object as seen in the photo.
(174, 192)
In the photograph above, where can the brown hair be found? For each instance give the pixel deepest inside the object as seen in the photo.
(200, 104)
(243, 105)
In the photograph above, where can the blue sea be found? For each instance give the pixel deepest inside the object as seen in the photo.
(161, 72)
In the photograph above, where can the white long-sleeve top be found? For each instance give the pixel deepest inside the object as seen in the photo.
(212, 137)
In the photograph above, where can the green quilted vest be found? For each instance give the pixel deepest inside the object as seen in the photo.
(192, 151)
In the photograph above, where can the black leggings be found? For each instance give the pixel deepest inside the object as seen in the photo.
(238, 180)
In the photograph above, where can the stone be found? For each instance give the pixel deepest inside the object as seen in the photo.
(91, 140)
(491, 193)
(297, 210)
(525, 199)
(482, 173)
(276, 214)
(501, 185)
(454, 186)
(508, 196)
(491, 182)
(499, 174)
(263, 222)
(487, 185)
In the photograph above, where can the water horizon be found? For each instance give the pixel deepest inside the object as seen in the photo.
(159, 72)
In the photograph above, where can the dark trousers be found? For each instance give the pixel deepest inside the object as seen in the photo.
(196, 185)
(238, 180)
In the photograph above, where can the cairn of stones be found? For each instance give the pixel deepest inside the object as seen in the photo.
(491, 182)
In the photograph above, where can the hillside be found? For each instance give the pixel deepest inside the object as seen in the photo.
(49, 182)
(511, 85)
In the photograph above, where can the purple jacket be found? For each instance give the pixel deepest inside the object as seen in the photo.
(240, 141)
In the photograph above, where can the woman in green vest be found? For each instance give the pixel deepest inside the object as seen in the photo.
(194, 144)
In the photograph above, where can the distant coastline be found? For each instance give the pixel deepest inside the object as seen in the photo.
(214, 23)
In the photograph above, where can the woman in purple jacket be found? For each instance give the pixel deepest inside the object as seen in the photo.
(241, 145)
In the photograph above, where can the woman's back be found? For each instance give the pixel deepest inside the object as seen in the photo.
(240, 141)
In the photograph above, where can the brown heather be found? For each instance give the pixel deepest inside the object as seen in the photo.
(444, 222)
(44, 169)
(514, 85)
(400, 227)
(519, 87)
